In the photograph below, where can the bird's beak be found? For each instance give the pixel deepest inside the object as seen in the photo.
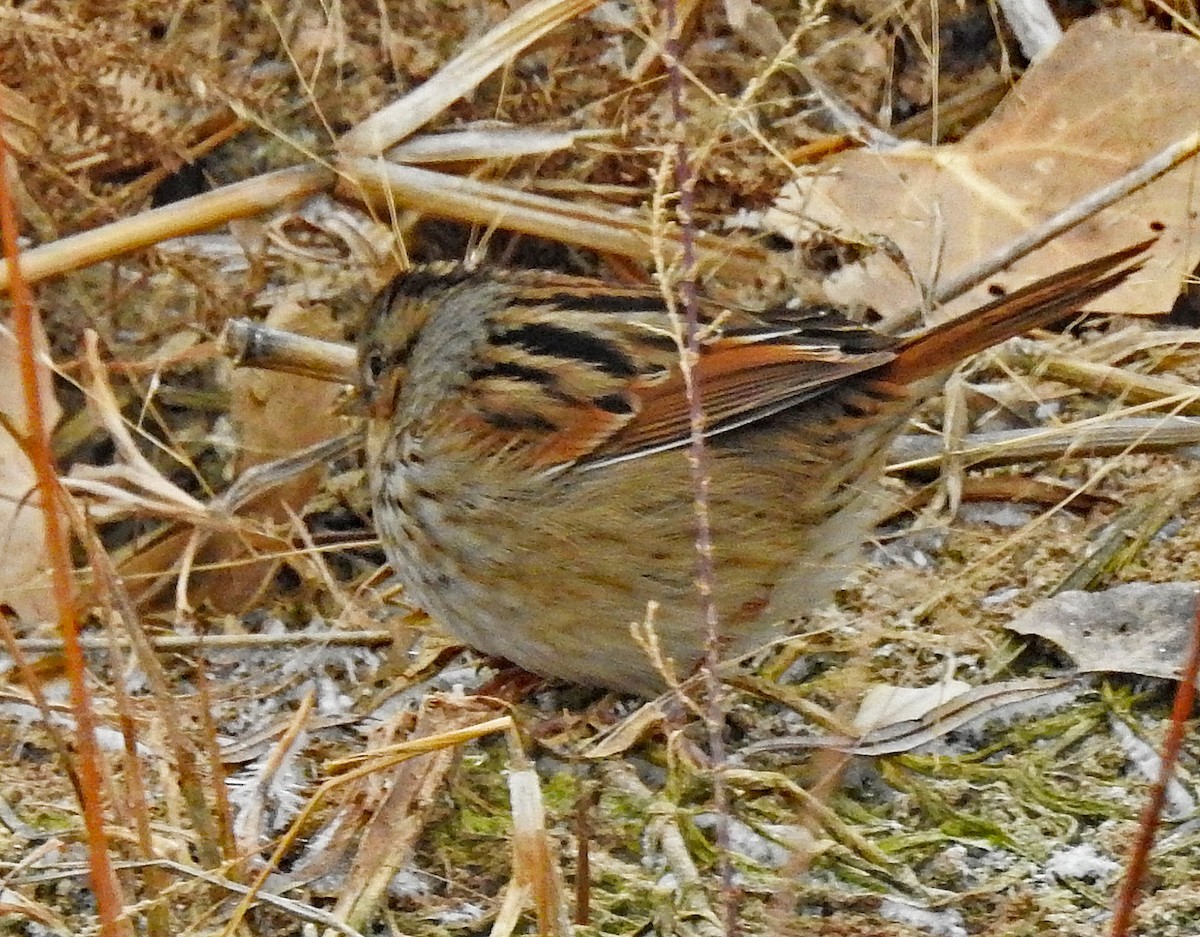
(382, 403)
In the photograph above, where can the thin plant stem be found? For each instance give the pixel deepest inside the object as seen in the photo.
(103, 878)
(1139, 855)
(714, 710)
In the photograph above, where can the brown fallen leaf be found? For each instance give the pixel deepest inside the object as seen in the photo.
(225, 552)
(277, 414)
(1139, 628)
(1108, 97)
(24, 580)
(274, 415)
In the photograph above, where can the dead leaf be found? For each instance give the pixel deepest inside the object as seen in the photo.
(24, 580)
(755, 25)
(886, 705)
(274, 415)
(1140, 628)
(1107, 98)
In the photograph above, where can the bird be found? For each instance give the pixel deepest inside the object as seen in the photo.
(528, 442)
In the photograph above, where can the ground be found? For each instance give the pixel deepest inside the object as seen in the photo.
(1013, 825)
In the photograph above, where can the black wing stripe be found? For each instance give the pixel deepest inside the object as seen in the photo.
(556, 341)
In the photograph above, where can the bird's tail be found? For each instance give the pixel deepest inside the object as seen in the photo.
(938, 349)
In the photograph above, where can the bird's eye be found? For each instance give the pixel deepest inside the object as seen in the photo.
(373, 366)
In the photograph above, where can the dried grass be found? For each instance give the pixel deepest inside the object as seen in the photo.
(105, 103)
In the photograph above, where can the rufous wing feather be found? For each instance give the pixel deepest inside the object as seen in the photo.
(532, 397)
(739, 384)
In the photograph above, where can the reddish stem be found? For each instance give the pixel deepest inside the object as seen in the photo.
(1139, 856)
(104, 882)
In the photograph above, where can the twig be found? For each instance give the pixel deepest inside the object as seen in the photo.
(169, 709)
(845, 117)
(585, 803)
(600, 228)
(250, 345)
(1100, 436)
(1120, 383)
(260, 478)
(221, 642)
(299, 910)
(270, 191)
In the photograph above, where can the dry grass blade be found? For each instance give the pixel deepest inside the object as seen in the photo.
(1126, 536)
(199, 213)
(136, 487)
(386, 127)
(594, 227)
(484, 142)
(815, 812)
(398, 822)
(15, 907)
(665, 838)
(219, 642)
(976, 705)
(132, 803)
(259, 479)
(158, 491)
(391, 837)
(422, 745)
(1006, 489)
(25, 668)
(1101, 436)
(209, 836)
(296, 909)
(461, 75)
(1121, 383)
(535, 865)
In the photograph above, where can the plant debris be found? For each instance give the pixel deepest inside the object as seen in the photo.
(264, 765)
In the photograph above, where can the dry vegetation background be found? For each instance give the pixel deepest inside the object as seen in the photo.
(291, 657)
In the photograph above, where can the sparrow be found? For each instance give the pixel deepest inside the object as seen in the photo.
(528, 444)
